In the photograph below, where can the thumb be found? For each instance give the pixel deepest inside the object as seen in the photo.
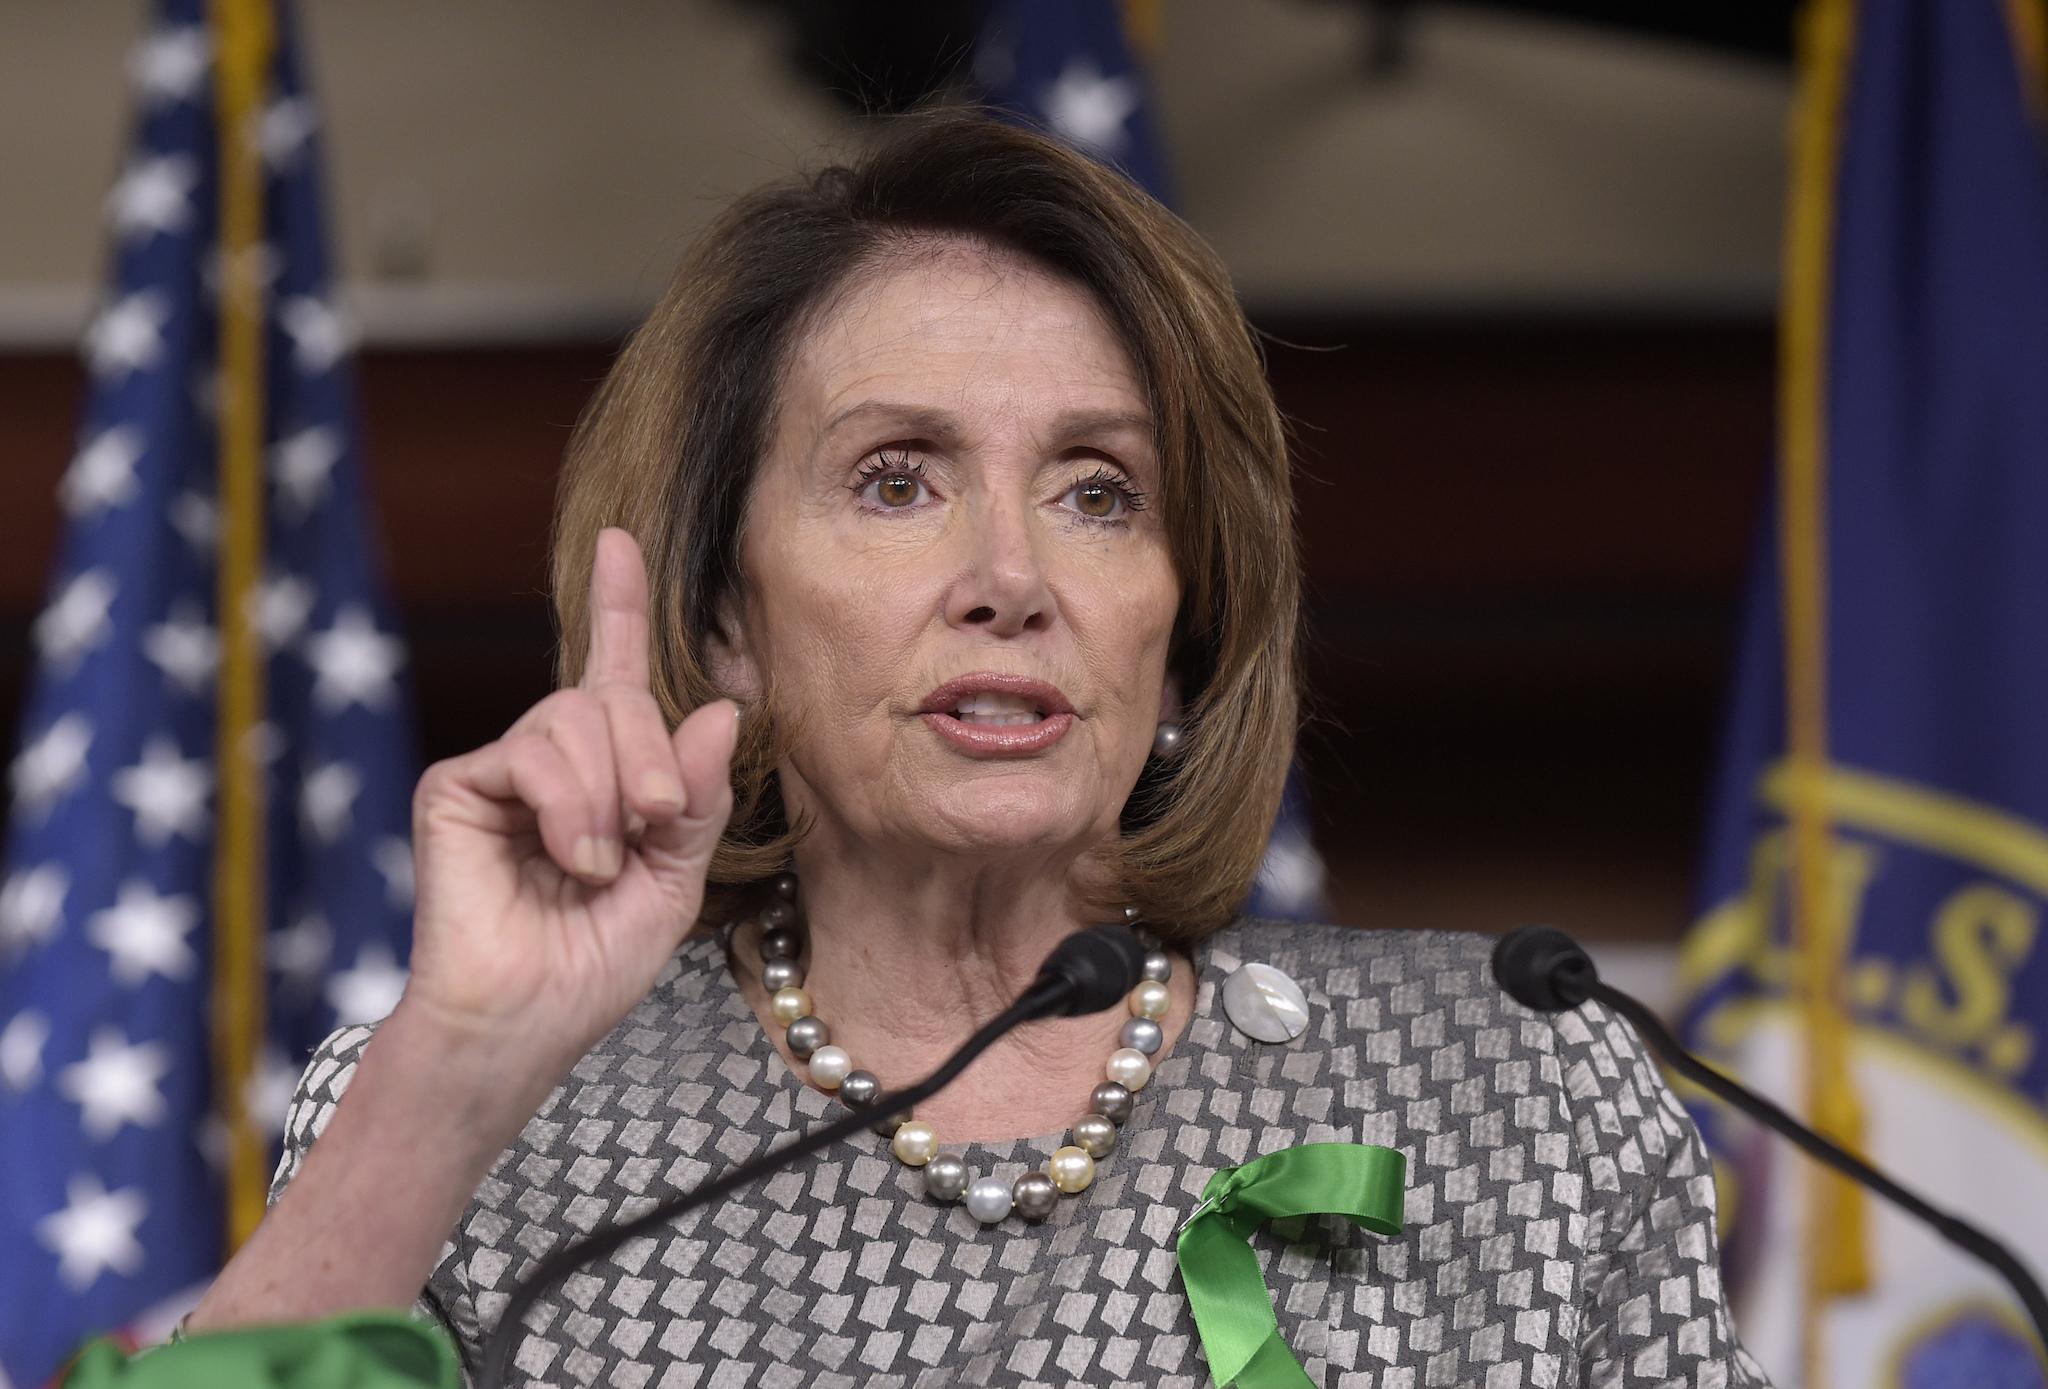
(703, 745)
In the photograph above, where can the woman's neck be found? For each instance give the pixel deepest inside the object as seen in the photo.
(905, 963)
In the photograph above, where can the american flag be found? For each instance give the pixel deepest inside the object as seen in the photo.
(1070, 68)
(112, 1206)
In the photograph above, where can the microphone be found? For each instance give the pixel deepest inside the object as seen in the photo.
(1099, 966)
(1087, 972)
(1545, 969)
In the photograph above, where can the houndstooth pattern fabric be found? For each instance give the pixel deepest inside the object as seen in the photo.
(1559, 1221)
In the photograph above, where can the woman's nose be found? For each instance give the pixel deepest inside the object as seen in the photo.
(1004, 589)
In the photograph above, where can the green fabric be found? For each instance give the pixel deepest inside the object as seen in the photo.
(365, 1350)
(1232, 1309)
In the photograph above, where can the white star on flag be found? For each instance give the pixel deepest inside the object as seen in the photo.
(319, 334)
(1090, 109)
(144, 934)
(184, 647)
(1292, 871)
(284, 128)
(299, 953)
(154, 195)
(50, 768)
(128, 334)
(267, 1095)
(197, 520)
(280, 607)
(369, 990)
(353, 662)
(76, 620)
(392, 857)
(300, 465)
(103, 473)
(261, 743)
(326, 799)
(116, 1083)
(31, 905)
(94, 1232)
(166, 792)
(21, 1049)
(170, 64)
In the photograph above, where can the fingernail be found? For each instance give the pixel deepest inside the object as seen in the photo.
(661, 790)
(596, 857)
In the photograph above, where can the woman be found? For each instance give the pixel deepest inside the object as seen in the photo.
(962, 614)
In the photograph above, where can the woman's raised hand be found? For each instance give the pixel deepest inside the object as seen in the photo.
(560, 866)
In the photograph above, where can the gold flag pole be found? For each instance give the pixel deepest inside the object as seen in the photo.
(1837, 1260)
(243, 42)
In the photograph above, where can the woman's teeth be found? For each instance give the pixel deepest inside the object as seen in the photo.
(997, 709)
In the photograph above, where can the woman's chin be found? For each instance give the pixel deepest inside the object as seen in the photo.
(1004, 819)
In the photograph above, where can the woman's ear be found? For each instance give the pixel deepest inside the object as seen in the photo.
(1169, 699)
(733, 668)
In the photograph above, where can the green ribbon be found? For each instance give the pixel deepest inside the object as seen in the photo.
(365, 1350)
(1233, 1311)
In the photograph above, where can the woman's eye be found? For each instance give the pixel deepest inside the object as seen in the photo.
(897, 489)
(1097, 499)
(1104, 496)
(891, 482)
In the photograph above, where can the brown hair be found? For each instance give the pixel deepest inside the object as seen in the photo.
(668, 447)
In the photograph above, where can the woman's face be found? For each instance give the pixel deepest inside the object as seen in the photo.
(953, 579)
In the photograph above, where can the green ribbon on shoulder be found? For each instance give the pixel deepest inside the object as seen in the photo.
(1233, 1311)
(363, 1350)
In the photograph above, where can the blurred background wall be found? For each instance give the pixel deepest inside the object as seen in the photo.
(1518, 269)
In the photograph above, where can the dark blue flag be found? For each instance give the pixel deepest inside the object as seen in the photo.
(111, 1189)
(1870, 948)
(1068, 67)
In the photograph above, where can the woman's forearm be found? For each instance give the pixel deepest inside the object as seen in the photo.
(363, 1222)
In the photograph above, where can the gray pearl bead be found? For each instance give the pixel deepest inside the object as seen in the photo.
(1130, 916)
(781, 943)
(859, 1088)
(806, 1035)
(781, 974)
(1111, 1101)
(1035, 1196)
(785, 886)
(1094, 1134)
(1158, 965)
(889, 1123)
(946, 1177)
(990, 1199)
(1142, 1033)
(777, 913)
(1167, 740)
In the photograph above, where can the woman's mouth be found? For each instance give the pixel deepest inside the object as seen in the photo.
(997, 710)
(997, 715)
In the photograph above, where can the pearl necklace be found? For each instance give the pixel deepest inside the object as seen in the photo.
(947, 1176)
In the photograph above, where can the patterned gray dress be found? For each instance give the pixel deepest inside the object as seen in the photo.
(1559, 1223)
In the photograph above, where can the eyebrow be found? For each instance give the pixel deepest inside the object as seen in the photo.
(942, 424)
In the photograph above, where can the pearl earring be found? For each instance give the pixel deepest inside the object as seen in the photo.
(1166, 742)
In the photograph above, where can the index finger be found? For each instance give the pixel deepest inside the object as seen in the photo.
(618, 613)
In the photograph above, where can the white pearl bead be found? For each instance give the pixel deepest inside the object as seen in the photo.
(989, 1200)
(1151, 999)
(915, 1143)
(790, 1004)
(830, 1065)
(1127, 1066)
(1072, 1169)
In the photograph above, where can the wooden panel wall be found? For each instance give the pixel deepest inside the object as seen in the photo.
(1524, 543)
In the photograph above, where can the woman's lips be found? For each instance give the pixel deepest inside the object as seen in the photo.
(1000, 740)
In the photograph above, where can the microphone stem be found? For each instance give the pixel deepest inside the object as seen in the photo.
(1957, 1231)
(1041, 1000)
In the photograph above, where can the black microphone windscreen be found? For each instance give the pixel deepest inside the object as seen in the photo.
(1543, 968)
(1103, 964)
